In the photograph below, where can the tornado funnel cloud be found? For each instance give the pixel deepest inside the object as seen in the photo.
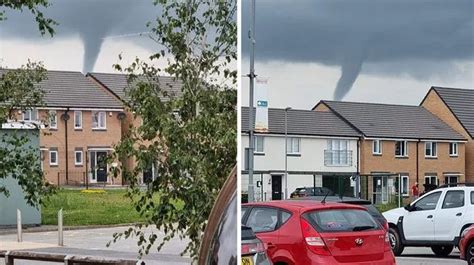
(91, 52)
(350, 70)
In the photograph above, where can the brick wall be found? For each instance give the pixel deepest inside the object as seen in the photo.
(84, 139)
(435, 105)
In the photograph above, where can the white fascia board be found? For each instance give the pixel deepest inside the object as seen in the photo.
(414, 140)
(302, 136)
(90, 109)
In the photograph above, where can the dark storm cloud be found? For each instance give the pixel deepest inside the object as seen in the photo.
(351, 33)
(91, 20)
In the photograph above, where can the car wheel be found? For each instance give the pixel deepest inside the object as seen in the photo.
(442, 251)
(395, 242)
(470, 254)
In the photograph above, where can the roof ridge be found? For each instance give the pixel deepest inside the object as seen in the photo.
(369, 103)
(453, 88)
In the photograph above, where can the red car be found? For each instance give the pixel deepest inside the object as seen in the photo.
(466, 245)
(308, 232)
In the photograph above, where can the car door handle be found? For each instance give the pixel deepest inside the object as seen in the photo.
(429, 216)
(458, 214)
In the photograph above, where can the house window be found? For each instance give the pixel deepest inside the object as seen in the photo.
(53, 157)
(78, 157)
(377, 147)
(431, 179)
(98, 120)
(401, 148)
(78, 119)
(259, 144)
(53, 119)
(405, 186)
(453, 149)
(30, 115)
(430, 149)
(450, 179)
(337, 153)
(293, 145)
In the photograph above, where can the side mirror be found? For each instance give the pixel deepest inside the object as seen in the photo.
(409, 208)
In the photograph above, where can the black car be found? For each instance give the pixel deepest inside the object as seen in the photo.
(311, 191)
(352, 200)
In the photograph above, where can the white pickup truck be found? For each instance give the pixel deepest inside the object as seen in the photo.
(434, 220)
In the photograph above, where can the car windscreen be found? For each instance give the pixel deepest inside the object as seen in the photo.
(341, 220)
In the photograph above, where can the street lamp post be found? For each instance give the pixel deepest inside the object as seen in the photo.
(286, 151)
(251, 197)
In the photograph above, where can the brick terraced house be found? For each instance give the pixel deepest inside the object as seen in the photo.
(405, 141)
(455, 107)
(83, 125)
(116, 85)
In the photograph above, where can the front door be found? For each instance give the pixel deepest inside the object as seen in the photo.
(98, 166)
(276, 187)
(380, 188)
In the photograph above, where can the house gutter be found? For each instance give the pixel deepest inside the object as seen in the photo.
(417, 160)
(66, 117)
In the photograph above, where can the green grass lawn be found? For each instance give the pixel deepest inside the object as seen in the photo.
(81, 208)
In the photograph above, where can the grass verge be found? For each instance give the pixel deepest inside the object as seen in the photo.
(90, 208)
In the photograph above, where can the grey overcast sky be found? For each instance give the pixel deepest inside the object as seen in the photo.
(389, 51)
(90, 35)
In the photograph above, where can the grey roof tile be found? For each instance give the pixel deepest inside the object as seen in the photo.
(393, 121)
(303, 122)
(118, 84)
(73, 89)
(461, 103)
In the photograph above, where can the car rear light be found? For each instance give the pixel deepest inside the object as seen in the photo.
(248, 249)
(387, 245)
(385, 225)
(313, 240)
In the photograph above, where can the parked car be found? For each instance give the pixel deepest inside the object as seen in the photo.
(253, 250)
(466, 244)
(308, 232)
(311, 191)
(436, 219)
(219, 242)
(352, 200)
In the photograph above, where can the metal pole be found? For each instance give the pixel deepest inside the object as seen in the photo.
(286, 153)
(251, 114)
(60, 228)
(399, 189)
(19, 232)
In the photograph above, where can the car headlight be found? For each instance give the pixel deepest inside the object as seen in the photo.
(467, 230)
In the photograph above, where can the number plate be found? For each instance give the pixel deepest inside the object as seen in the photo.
(247, 261)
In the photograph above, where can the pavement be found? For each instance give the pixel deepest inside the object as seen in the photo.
(92, 242)
(424, 256)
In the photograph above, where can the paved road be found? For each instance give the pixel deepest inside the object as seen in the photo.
(424, 256)
(93, 242)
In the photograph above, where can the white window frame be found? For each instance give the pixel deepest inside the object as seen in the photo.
(455, 148)
(339, 151)
(75, 157)
(449, 178)
(292, 143)
(256, 141)
(431, 149)
(57, 158)
(377, 147)
(430, 177)
(53, 116)
(404, 149)
(76, 119)
(407, 178)
(104, 121)
(30, 114)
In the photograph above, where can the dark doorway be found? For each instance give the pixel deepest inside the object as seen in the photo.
(102, 166)
(276, 187)
(341, 185)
